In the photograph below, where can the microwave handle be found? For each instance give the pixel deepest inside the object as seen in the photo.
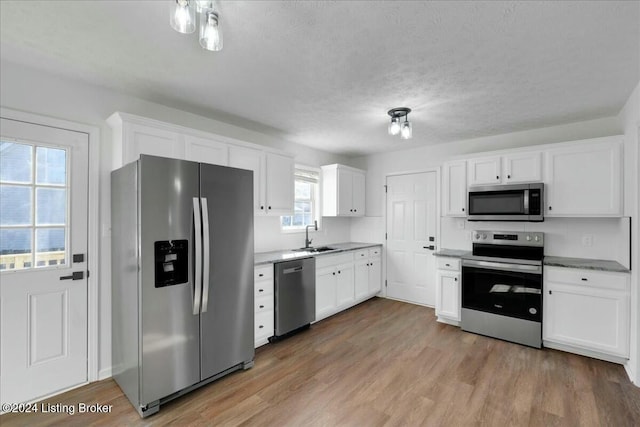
(526, 202)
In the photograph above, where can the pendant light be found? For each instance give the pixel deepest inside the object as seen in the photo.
(396, 127)
(183, 19)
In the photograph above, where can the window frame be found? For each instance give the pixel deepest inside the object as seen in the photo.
(316, 201)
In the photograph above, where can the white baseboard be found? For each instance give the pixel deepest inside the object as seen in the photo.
(632, 375)
(583, 352)
(104, 373)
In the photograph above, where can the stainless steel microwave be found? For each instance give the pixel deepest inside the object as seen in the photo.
(512, 202)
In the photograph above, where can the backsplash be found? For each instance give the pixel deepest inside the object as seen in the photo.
(594, 238)
(609, 237)
(269, 237)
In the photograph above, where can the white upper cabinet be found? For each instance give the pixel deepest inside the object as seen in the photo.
(585, 179)
(279, 184)
(273, 172)
(253, 160)
(343, 191)
(484, 170)
(272, 179)
(506, 169)
(205, 150)
(522, 167)
(454, 193)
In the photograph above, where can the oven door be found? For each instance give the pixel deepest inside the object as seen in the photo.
(513, 290)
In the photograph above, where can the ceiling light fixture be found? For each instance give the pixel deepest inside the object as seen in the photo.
(182, 19)
(395, 127)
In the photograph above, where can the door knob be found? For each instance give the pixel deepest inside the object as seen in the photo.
(430, 247)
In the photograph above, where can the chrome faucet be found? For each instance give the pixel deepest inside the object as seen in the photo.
(307, 240)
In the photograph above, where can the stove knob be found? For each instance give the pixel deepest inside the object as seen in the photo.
(477, 236)
(537, 238)
(528, 238)
(484, 236)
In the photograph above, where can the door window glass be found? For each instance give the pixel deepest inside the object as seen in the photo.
(34, 200)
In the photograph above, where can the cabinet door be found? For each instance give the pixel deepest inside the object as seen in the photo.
(485, 170)
(141, 139)
(588, 318)
(248, 158)
(326, 298)
(455, 189)
(585, 180)
(279, 184)
(345, 284)
(522, 167)
(345, 193)
(375, 275)
(204, 150)
(358, 194)
(361, 278)
(448, 295)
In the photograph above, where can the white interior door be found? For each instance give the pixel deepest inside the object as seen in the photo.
(411, 230)
(43, 260)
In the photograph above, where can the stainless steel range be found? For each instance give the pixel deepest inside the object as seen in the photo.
(502, 286)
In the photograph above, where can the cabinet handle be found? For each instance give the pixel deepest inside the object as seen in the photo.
(448, 265)
(355, 210)
(339, 272)
(549, 292)
(262, 306)
(550, 208)
(497, 176)
(584, 279)
(260, 290)
(462, 209)
(508, 176)
(455, 279)
(334, 273)
(261, 326)
(269, 207)
(260, 275)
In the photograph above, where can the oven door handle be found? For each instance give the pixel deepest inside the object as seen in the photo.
(490, 265)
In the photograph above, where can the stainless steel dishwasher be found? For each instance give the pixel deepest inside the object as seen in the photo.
(295, 295)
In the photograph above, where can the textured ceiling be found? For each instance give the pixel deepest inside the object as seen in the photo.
(324, 73)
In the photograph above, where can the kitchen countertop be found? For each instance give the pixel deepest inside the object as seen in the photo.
(586, 264)
(285, 255)
(452, 253)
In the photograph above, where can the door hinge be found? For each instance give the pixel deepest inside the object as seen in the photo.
(385, 236)
(87, 274)
(385, 283)
(385, 188)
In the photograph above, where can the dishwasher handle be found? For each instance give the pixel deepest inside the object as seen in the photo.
(292, 270)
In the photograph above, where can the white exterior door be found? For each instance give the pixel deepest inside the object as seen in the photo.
(43, 260)
(411, 226)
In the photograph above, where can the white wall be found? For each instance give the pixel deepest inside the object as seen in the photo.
(629, 118)
(38, 92)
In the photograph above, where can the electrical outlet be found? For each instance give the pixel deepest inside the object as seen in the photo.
(587, 240)
(461, 224)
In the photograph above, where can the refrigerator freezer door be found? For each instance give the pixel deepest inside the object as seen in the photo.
(169, 349)
(227, 326)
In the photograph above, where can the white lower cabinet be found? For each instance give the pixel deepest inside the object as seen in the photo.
(448, 290)
(586, 312)
(264, 304)
(346, 279)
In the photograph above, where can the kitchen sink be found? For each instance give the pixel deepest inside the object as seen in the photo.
(315, 250)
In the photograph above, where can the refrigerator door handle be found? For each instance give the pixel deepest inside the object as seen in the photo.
(205, 254)
(197, 255)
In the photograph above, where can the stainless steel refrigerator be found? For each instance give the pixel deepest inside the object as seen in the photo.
(182, 277)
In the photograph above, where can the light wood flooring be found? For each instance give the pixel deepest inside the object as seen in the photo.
(385, 363)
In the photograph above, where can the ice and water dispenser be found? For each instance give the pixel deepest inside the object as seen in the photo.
(172, 262)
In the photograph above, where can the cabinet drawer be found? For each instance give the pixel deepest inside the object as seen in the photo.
(263, 325)
(588, 278)
(263, 272)
(263, 287)
(263, 303)
(327, 260)
(448, 263)
(361, 254)
(375, 251)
